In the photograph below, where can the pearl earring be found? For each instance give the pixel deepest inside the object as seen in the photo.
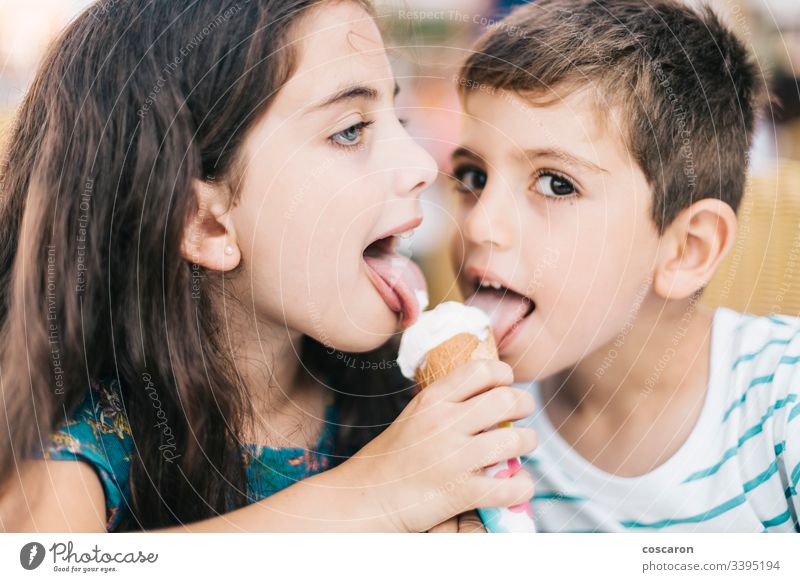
(229, 250)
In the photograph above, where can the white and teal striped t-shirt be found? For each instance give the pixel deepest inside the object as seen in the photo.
(738, 471)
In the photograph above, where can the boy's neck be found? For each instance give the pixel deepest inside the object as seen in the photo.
(665, 350)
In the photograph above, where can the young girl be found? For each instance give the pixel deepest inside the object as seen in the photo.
(200, 201)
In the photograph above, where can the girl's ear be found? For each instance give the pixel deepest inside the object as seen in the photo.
(692, 248)
(209, 238)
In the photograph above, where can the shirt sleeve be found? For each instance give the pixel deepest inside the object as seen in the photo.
(98, 434)
(787, 431)
(787, 449)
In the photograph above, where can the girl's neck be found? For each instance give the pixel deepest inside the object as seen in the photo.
(285, 402)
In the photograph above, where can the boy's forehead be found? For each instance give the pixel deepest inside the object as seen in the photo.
(509, 121)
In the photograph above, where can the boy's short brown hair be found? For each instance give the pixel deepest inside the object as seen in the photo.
(685, 85)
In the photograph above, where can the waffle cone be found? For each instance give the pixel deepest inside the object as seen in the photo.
(450, 354)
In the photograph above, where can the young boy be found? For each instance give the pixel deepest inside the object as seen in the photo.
(603, 155)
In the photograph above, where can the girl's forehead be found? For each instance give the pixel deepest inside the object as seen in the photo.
(336, 52)
(338, 35)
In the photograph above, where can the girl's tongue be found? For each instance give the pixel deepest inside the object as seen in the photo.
(399, 281)
(505, 308)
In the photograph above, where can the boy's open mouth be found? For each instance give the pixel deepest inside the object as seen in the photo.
(397, 278)
(507, 309)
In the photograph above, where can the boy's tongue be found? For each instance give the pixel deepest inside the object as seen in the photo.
(505, 308)
(401, 284)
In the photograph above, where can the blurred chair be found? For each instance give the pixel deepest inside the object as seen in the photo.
(761, 273)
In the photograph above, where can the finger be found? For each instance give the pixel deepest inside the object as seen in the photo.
(501, 444)
(498, 405)
(449, 526)
(493, 492)
(470, 522)
(472, 378)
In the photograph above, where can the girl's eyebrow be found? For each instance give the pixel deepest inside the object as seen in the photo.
(351, 93)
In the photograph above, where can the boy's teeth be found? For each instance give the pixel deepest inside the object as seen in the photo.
(407, 234)
(492, 284)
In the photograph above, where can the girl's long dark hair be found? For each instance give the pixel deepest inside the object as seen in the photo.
(135, 100)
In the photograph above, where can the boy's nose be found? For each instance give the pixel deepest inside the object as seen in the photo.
(487, 222)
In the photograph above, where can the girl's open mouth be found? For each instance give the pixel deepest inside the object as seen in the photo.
(506, 308)
(397, 278)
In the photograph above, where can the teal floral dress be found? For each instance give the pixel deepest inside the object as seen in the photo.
(98, 433)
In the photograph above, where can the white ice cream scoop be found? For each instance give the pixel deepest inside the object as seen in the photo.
(435, 327)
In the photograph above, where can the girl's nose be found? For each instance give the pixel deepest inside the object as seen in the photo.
(418, 171)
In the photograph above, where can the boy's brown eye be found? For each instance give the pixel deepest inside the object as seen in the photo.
(553, 185)
(469, 179)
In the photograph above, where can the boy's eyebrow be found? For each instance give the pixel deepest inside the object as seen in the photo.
(350, 93)
(530, 155)
(567, 158)
(463, 152)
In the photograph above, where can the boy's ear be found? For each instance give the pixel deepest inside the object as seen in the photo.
(209, 238)
(692, 248)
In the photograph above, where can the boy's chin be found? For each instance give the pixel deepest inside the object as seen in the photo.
(528, 367)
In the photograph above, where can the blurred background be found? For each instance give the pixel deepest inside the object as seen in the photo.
(427, 41)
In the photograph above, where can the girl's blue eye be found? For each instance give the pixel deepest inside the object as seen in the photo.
(553, 185)
(350, 136)
(469, 179)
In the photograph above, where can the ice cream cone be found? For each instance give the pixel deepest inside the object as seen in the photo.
(442, 340)
(452, 353)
